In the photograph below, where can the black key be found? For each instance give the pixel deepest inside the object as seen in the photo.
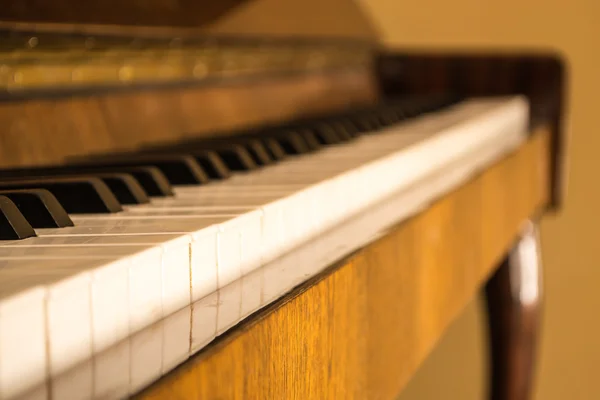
(399, 115)
(125, 188)
(311, 139)
(351, 127)
(346, 125)
(378, 120)
(152, 180)
(326, 135)
(342, 133)
(274, 148)
(407, 110)
(81, 195)
(388, 117)
(235, 157)
(342, 130)
(292, 143)
(363, 123)
(13, 225)
(232, 151)
(268, 143)
(147, 181)
(179, 169)
(371, 122)
(237, 145)
(210, 162)
(39, 207)
(258, 152)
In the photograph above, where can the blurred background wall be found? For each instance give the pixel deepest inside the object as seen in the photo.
(569, 357)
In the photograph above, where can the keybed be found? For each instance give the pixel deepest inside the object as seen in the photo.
(132, 239)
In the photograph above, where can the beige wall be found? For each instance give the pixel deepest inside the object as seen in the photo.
(570, 351)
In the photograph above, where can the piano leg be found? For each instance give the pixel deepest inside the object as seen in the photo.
(514, 307)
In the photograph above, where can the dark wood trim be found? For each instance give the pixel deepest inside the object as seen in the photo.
(117, 12)
(514, 306)
(271, 18)
(542, 77)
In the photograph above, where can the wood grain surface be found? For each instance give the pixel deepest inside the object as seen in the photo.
(362, 328)
(44, 131)
(271, 18)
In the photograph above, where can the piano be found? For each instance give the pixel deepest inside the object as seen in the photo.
(259, 199)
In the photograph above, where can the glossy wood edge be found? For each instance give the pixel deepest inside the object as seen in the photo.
(33, 63)
(514, 303)
(362, 328)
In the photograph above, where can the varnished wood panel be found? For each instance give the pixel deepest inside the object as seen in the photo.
(271, 18)
(149, 12)
(362, 328)
(49, 130)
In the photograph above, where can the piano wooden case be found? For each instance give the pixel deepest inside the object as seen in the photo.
(82, 82)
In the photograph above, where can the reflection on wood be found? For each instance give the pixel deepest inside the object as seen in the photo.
(514, 307)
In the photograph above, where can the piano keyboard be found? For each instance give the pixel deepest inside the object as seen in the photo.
(97, 250)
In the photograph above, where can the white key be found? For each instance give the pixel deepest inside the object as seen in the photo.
(77, 383)
(115, 227)
(175, 259)
(61, 315)
(87, 284)
(294, 200)
(241, 234)
(22, 336)
(272, 208)
(229, 308)
(146, 356)
(204, 321)
(203, 232)
(176, 339)
(111, 371)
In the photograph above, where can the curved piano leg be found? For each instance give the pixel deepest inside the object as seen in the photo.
(514, 306)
